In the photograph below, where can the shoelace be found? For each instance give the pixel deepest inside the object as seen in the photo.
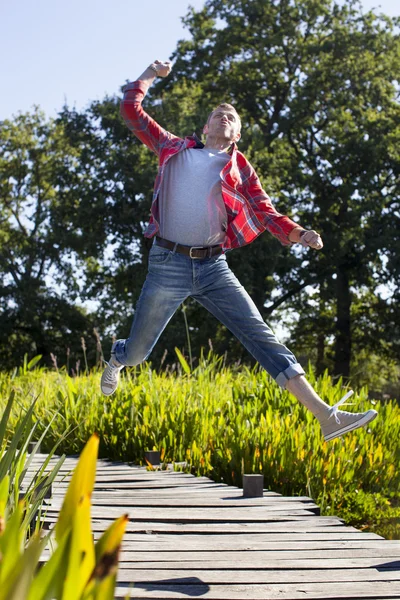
(335, 408)
(111, 374)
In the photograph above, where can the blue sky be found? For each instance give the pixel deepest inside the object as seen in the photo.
(81, 50)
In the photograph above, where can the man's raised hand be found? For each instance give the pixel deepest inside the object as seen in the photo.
(163, 67)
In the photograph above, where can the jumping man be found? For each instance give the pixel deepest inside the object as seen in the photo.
(208, 199)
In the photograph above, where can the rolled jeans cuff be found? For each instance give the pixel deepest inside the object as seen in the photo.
(118, 350)
(289, 373)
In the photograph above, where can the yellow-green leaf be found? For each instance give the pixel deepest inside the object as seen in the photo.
(11, 542)
(81, 485)
(102, 583)
(81, 561)
(101, 589)
(18, 580)
(109, 543)
(49, 582)
(4, 490)
(183, 361)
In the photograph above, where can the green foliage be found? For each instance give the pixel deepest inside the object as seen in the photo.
(374, 512)
(14, 464)
(17, 517)
(224, 422)
(78, 569)
(316, 85)
(37, 241)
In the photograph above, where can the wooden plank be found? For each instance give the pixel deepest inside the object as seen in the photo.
(329, 534)
(167, 491)
(192, 492)
(285, 524)
(126, 485)
(172, 494)
(142, 474)
(138, 472)
(100, 468)
(187, 491)
(142, 483)
(258, 557)
(280, 503)
(273, 564)
(207, 508)
(143, 490)
(166, 479)
(134, 550)
(180, 515)
(281, 591)
(282, 525)
(246, 543)
(177, 494)
(212, 495)
(257, 576)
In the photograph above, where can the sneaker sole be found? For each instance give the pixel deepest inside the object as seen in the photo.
(367, 418)
(108, 393)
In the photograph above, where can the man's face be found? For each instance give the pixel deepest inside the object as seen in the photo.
(223, 123)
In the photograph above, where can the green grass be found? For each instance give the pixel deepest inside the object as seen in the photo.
(224, 422)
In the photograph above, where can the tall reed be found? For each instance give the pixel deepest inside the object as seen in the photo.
(222, 421)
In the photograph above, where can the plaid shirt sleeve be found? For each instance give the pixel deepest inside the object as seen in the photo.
(250, 210)
(140, 123)
(267, 216)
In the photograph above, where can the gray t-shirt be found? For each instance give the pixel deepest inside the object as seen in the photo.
(192, 211)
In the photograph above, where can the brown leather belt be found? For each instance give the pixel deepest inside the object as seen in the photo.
(198, 252)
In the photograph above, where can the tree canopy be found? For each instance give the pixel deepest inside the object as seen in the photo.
(316, 86)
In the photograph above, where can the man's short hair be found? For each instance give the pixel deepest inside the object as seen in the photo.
(225, 105)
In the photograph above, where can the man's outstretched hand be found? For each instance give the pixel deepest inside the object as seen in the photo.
(312, 239)
(306, 237)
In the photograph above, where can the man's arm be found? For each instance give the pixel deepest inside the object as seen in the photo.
(156, 69)
(139, 122)
(280, 225)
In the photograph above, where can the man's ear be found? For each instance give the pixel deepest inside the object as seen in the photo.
(205, 129)
(237, 138)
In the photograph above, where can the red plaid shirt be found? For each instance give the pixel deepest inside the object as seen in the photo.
(248, 206)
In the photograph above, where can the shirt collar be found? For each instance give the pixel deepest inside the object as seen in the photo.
(197, 140)
(199, 144)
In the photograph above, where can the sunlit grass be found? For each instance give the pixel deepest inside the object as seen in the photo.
(223, 422)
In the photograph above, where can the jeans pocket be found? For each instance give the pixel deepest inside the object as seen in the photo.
(159, 255)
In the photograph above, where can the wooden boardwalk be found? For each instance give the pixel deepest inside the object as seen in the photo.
(191, 538)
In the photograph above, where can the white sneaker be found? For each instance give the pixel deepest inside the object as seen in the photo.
(340, 422)
(110, 376)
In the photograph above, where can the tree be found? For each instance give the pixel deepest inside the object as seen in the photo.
(40, 276)
(316, 86)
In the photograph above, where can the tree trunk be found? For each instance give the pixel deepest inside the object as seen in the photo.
(321, 331)
(320, 365)
(343, 333)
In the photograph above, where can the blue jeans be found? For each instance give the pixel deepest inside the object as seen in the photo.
(172, 278)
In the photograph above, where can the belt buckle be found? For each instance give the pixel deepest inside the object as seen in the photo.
(195, 248)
